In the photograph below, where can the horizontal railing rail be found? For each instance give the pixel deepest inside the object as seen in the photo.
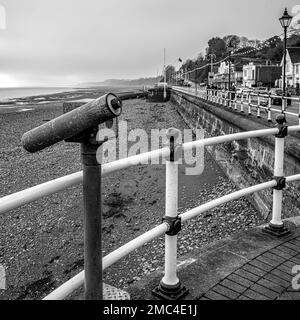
(18, 199)
(77, 281)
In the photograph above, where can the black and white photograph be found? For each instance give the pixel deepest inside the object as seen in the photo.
(149, 151)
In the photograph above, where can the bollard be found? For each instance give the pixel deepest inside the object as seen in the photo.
(276, 226)
(170, 287)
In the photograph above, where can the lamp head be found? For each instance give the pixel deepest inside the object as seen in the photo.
(286, 19)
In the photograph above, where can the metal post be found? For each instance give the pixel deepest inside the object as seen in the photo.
(196, 82)
(284, 60)
(165, 76)
(276, 226)
(223, 98)
(229, 62)
(299, 112)
(242, 102)
(258, 106)
(269, 108)
(92, 221)
(235, 102)
(170, 287)
(249, 104)
(283, 104)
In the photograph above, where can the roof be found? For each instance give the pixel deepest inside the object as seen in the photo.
(294, 53)
(238, 68)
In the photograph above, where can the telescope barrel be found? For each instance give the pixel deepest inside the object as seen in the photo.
(73, 123)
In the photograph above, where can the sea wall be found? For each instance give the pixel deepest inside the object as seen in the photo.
(246, 162)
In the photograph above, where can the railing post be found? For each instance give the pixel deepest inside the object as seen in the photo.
(249, 104)
(283, 104)
(170, 287)
(92, 221)
(269, 108)
(235, 101)
(258, 106)
(276, 226)
(242, 102)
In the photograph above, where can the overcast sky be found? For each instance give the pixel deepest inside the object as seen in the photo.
(65, 42)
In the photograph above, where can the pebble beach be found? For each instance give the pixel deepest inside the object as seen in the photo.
(41, 244)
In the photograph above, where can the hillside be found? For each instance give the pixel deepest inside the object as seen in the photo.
(123, 82)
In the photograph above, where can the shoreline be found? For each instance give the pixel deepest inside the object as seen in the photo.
(66, 95)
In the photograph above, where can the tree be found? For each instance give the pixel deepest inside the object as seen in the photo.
(272, 50)
(233, 40)
(293, 41)
(217, 46)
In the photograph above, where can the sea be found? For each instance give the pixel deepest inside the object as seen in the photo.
(12, 93)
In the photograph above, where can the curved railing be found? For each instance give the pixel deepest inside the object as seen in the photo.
(246, 101)
(170, 279)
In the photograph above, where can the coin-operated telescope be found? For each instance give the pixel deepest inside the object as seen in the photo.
(80, 124)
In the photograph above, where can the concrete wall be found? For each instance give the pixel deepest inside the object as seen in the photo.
(245, 162)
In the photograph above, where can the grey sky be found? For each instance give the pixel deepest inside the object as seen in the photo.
(61, 42)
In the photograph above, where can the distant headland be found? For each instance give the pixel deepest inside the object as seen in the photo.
(122, 82)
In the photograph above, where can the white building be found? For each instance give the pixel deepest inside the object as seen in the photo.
(256, 74)
(249, 74)
(292, 67)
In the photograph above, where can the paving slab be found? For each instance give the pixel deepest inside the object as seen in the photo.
(251, 265)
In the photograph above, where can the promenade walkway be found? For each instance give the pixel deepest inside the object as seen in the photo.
(250, 265)
(266, 277)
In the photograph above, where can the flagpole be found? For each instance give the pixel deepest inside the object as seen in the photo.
(165, 76)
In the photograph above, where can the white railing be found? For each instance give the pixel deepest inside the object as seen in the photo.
(246, 99)
(170, 278)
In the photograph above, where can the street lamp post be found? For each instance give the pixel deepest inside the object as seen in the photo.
(212, 57)
(230, 48)
(165, 76)
(285, 21)
(195, 78)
